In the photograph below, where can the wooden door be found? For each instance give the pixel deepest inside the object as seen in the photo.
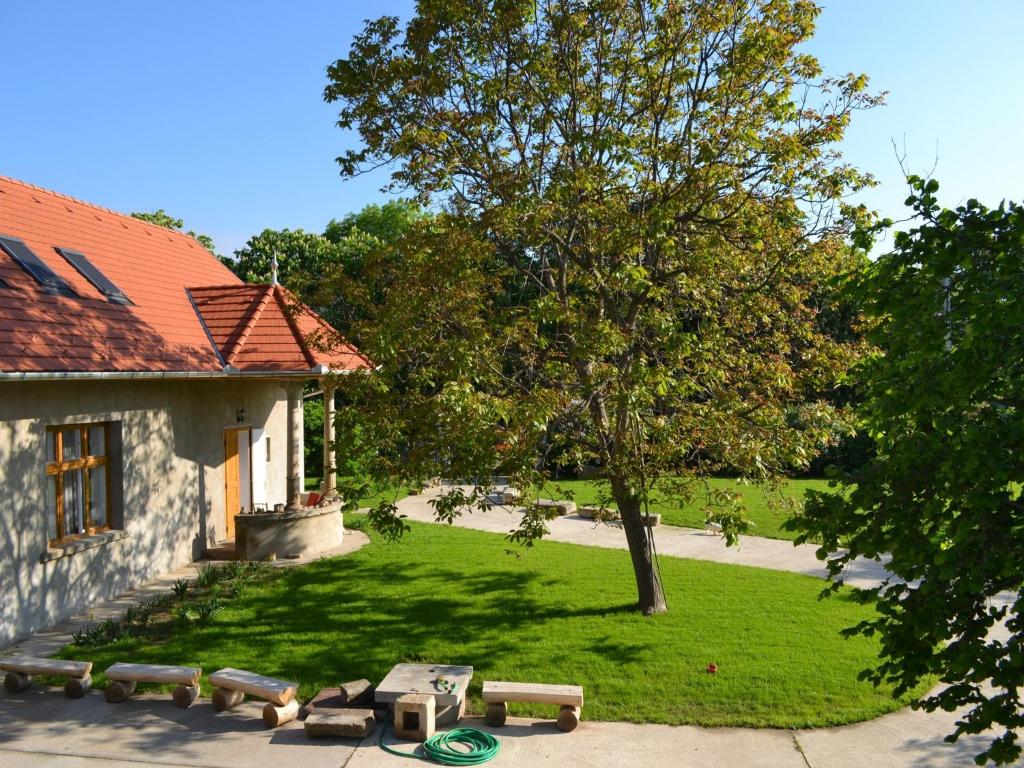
(231, 482)
(237, 475)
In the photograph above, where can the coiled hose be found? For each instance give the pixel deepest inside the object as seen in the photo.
(477, 747)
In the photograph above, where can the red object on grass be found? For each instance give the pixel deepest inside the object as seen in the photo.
(712, 668)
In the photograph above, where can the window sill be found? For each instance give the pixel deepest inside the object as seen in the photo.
(82, 544)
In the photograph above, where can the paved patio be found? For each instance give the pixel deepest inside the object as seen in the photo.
(43, 728)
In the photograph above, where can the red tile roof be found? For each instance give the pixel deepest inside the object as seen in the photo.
(161, 331)
(256, 327)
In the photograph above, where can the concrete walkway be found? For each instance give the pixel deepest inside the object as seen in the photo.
(40, 727)
(757, 551)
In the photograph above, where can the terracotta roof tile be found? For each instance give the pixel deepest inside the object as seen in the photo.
(265, 328)
(160, 330)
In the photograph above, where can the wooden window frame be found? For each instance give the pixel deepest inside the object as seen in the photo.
(86, 462)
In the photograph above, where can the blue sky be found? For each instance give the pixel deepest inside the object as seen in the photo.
(213, 110)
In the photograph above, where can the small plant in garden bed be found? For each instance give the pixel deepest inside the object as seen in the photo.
(154, 619)
(100, 633)
(180, 588)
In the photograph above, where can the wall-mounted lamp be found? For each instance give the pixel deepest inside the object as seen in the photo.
(241, 415)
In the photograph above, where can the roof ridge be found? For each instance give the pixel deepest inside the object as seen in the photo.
(324, 327)
(87, 204)
(238, 343)
(279, 292)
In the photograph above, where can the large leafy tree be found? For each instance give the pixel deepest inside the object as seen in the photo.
(308, 260)
(641, 200)
(943, 495)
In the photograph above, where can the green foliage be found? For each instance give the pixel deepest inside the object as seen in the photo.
(308, 263)
(101, 633)
(560, 613)
(313, 435)
(643, 221)
(942, 495)
(302, 257)
(209, 574)
(180, 588)
(163, 219)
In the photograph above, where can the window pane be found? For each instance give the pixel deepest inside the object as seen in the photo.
(72, 444)
(51, 506)
(51, 445)
(97, 441)
(74, 499)
(98, 496)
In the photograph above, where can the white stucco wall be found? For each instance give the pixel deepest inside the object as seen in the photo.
(171, 489)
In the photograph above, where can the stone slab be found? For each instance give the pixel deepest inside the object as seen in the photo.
(561, 507)
(419, 678)
(342, 697)
(352, 723)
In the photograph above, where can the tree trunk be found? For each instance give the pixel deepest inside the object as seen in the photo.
(638, 536)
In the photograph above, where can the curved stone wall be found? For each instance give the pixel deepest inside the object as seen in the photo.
(303, 532)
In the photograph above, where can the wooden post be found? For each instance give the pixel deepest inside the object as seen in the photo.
(185, 695)
(119, 690)
(274, 715)
(330, 484)
(15, 681)
(226, 698)
(496, 714)
(568, 718)
(294, 390)
(76, 687)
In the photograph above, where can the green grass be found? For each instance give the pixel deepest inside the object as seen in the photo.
(767, 511)
(560, 613)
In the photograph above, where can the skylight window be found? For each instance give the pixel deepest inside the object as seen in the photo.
(42, 274)
(89, 271)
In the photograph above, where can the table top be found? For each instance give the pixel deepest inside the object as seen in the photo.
(423, 678)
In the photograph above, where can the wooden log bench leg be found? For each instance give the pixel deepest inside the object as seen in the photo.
(226, 698)
(76, 687)
(496, 714)
(119, 690)
(274, 715)
(15, 681)
(185, 695)
(568, 718)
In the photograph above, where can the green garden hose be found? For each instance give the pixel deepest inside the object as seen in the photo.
(478, 747)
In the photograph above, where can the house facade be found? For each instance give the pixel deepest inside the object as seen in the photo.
(147, 397)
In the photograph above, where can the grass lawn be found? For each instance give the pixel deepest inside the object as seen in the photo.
(767, 517)
(560, 613)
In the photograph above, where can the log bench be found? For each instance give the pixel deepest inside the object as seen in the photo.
(122, 678)
(497, 695)
(232, 685)
(20, 670)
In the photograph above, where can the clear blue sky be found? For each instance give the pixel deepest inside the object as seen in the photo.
(213, 110)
